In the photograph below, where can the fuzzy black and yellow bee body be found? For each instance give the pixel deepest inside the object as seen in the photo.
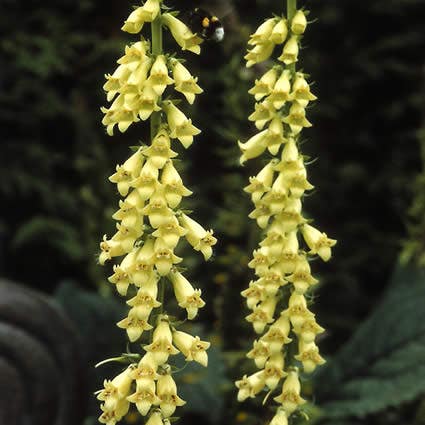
(206, 25)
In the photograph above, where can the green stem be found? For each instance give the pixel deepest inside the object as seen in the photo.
(156, 29)
(291, 8)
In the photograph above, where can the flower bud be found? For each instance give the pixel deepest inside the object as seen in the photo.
(298, 23)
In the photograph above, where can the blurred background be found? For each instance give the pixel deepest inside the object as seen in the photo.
(57, 310)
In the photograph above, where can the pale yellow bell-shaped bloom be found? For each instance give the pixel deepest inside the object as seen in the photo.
(290, 171)
(297, 310)
(273, 370)
(263, 113)
(301, 278)
(254, 294)
(187, 296)
(113, 85)
(161, 346)
(290, 218)
(280, 418)
(134, 54)
(192, 347)
(201, 240)
(308, 330)
(146, 103)
(272, 280)
(290, 396)
(290, 151)
(157, 210)
(134, 326)
(147, 181)
(261, 213)
(116, 390)
(173, 186)
(276, 200)
(299, 23)
(301, 90)
(279, 32)
(309, 356)
(260, 261)
(318, 242)
(121, 279)
(275, 240)
(126, 236)
(184, 82)
(290, 252)
(164, 257)
(146, 13)
(133, 200)
(274, 136)
(122, 276)
(138, 77)
(145, 372)
(261, 182)
(280, 92)
(277, 335)
(260, 353)
(182, 34)
(159, 152)
(119, 115)
(299, 184)
(290, 51)
(144, 397)
(167, 394)
(253, 147)
(145, 300)
(159, 78)
(296, 118)
(263, 32)
(110, 248)
(127, 172)
(170, 232)
(263, 314)
(111, 417)
(265, 84)
(259, 53)
(155, 419)
(251, 385)
(142, 269)
(181, 127)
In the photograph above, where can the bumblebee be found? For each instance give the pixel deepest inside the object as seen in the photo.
(206, 25)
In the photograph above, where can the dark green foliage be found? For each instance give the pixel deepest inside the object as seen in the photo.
(381, 366)
(95, 316)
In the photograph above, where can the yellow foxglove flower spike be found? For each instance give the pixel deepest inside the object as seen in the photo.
(149, 225)
(281, 262)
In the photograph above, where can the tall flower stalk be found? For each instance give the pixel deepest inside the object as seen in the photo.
(281, 315)
(150, 224)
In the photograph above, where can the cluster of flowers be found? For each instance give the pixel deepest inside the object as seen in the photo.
(136, 86)
(281, 265)
(149, 223)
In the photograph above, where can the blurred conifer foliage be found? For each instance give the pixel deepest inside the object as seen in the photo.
(368, 64)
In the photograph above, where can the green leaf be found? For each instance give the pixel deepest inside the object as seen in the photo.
(383, 364)
(94, 316)
(56, 233)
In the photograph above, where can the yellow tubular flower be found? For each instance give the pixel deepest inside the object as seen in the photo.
(286, 345)
(182, 34)
(149, 223)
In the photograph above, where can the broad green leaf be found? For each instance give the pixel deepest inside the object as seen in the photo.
(383, 364)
